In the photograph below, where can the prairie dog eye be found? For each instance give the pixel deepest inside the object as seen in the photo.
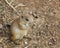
(27, 19)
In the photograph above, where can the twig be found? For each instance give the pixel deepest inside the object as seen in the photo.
(19, 5)
(12, 7)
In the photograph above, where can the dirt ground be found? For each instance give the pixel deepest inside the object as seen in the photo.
(45, 29)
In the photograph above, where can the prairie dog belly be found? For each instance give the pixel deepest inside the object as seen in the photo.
(16, 32)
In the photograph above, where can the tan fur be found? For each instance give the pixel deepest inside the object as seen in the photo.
(18, 28)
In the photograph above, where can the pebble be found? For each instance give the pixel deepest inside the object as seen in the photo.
(26, 43)
(26, 47)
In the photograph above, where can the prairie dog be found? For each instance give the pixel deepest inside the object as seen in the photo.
(19, 27)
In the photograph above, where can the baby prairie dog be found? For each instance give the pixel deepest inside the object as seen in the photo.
(19, 27)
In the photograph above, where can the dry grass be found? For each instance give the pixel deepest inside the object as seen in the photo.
(44, 31)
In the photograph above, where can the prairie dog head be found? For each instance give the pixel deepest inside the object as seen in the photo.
(24, 22)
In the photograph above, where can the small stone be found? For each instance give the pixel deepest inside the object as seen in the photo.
(26, 47)
(26, 43)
